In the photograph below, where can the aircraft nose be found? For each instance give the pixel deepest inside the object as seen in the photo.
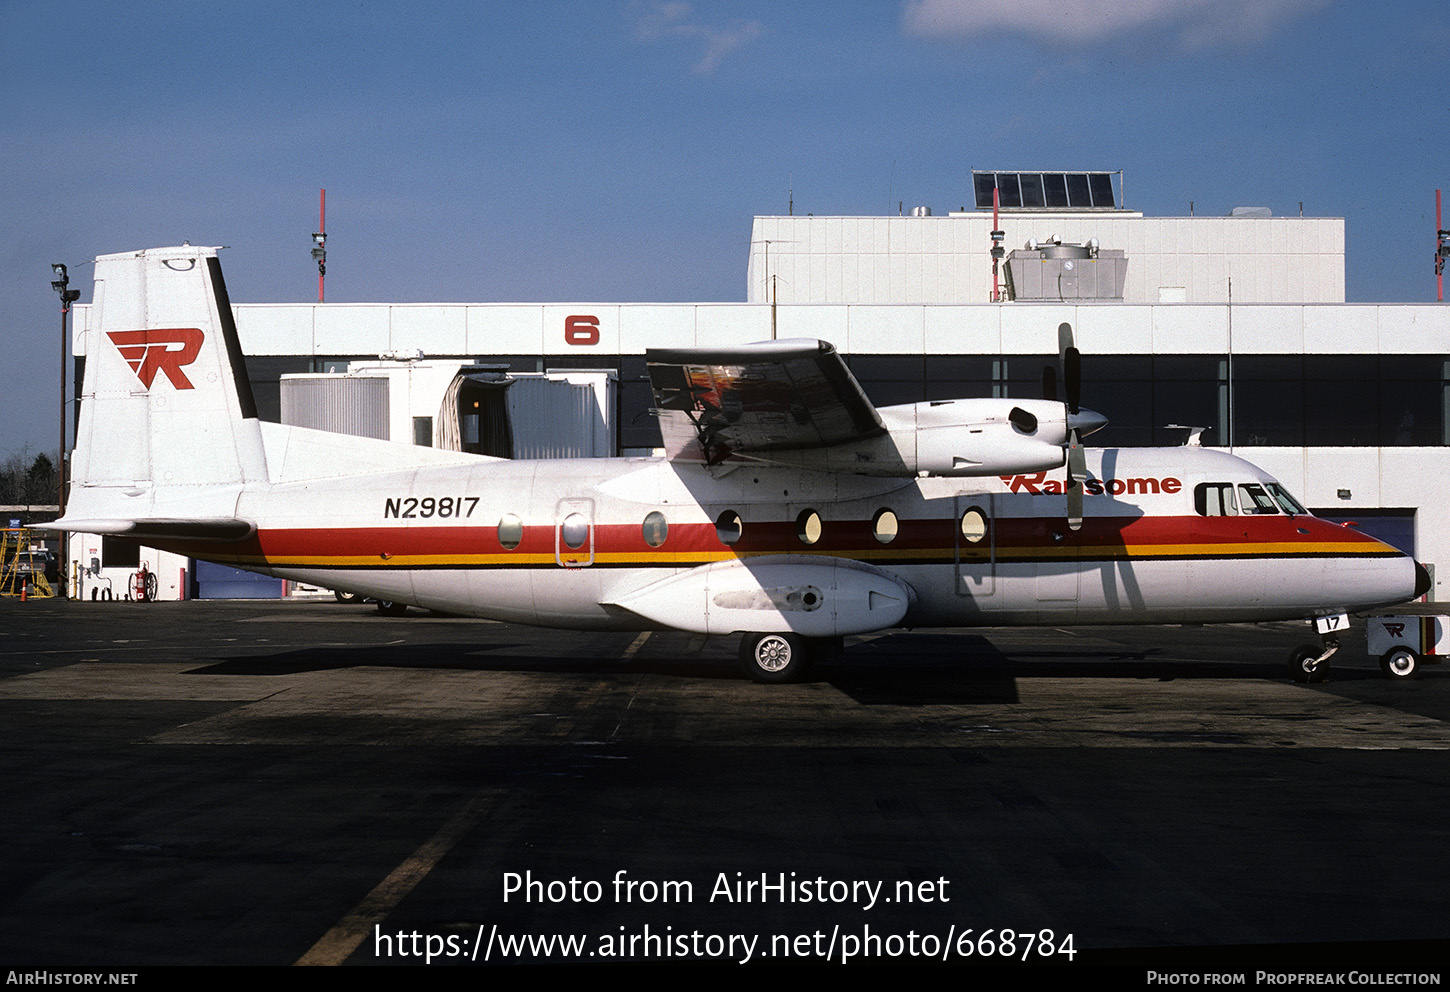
(1086, 421)
(1422, 580)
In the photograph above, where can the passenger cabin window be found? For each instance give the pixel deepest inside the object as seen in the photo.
(728, 527)
(884, 526)
(1255, 500)
(974, 525)
(574, 531)
(655, 528)
(808, 527)
(510, 531)
(1215, 499)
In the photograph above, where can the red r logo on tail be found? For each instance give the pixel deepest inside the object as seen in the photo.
(164, 349)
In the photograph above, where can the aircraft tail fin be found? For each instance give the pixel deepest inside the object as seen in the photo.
(165, 404)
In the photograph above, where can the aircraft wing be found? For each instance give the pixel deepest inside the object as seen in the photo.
(715, 403)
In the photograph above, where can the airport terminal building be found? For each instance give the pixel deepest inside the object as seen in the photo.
(1235, 326)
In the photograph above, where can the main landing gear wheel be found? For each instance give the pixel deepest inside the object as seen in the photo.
(1302, 667)
(345, 597)
(773, 657)
(388, 608)
(1401, 663)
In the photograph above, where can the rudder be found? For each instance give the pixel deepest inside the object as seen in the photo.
(165, 400)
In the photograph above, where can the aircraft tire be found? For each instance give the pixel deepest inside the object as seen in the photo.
(345, 597)
(388, 608)
(1400, 664)
(774, 657)
(1299, 660)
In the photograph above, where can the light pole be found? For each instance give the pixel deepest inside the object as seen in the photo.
(61, 284)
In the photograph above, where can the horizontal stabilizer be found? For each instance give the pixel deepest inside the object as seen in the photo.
(224, 529)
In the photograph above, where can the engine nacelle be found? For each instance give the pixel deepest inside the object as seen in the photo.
(978, 437)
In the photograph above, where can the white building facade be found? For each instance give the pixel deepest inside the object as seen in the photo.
(1236, 324)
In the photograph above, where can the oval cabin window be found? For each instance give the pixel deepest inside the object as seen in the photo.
(974, 525)
(574, 531)
(729, 527)
(510, 531)
(655, 528)
(808, 527)
(884, 526)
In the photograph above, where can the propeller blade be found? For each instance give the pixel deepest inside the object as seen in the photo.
(1071, 361)
(1064, 338)
(1076, 459)
(1076, 472)
(1072, 376)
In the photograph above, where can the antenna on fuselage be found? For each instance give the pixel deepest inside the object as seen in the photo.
(1195, 434)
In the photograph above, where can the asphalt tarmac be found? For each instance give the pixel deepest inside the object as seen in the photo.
(306, 782)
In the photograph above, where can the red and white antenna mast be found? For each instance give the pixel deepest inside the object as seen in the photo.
(998, 236)
(1442, 251)
(319, 242)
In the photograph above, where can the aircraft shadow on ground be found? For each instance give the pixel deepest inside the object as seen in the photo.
(893, 669)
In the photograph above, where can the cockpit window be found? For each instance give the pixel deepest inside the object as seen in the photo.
(1256, 500)
(1215, 499)
(1289, 504)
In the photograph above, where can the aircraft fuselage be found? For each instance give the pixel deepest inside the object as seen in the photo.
(582, 543)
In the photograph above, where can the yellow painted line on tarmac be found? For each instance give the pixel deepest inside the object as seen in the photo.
(634, 647)
(337, 944)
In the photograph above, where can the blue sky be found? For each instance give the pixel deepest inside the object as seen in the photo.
(618, 149)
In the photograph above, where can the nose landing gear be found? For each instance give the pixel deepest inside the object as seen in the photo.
(1309, 662)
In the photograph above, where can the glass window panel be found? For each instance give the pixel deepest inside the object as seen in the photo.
(887, 366)
(1105, 370)
(638, 426)
(1261, 367)
(1055, 187)
(1289, 504)
(1190, 404)
(884, 526)
(1341, 412)
(1428, 368)
(1009, 193)
(894, 393)
(1269, 413)
(1321, 367)
(1102, 189)
(1203, 368)
(1412, 413)
(1215, 499)
(1077, 190)
(974, 525)
(1255, 500)
(574, 530)
(984, 182)
(1128, 405)
(1032, 190)
(808, 527)
(729, 527)
(655, 528)
(958, 368)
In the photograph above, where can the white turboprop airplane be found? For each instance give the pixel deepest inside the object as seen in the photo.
(788, 508)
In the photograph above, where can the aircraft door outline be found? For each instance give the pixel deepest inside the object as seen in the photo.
(974, 530)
